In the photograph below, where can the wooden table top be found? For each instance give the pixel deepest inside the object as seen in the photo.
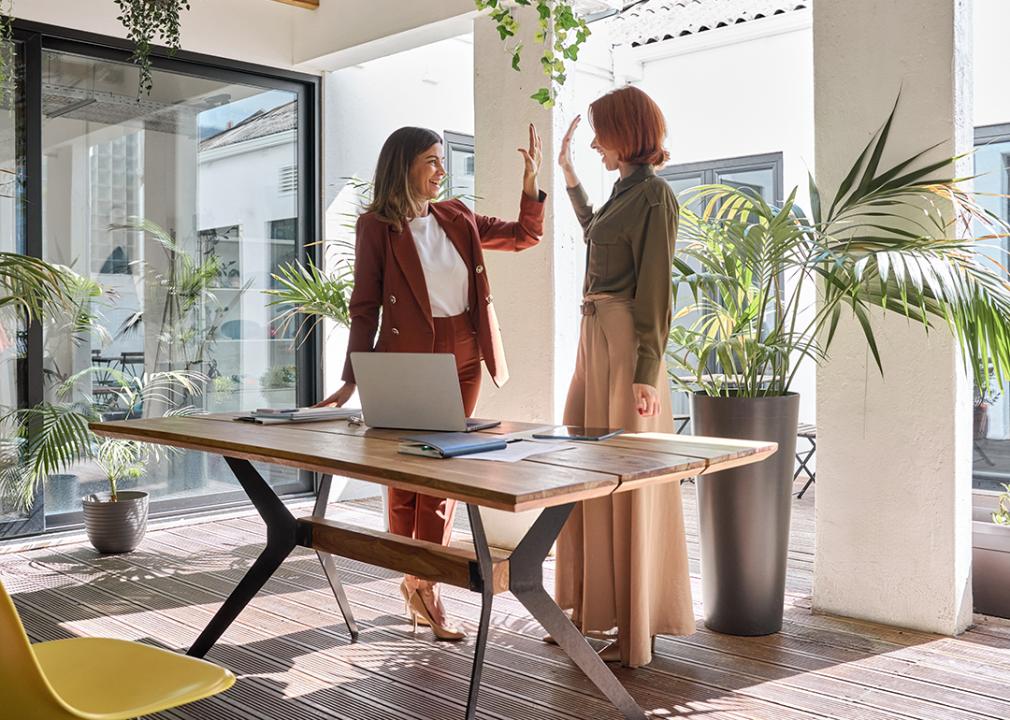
(591, 469)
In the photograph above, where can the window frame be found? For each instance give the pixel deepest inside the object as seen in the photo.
(456, 142)
(709, 169)
(34, 39)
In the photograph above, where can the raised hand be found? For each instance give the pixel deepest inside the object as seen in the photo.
(533, 157)
(565, 156)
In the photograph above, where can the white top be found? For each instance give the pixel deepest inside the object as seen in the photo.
(445, 273)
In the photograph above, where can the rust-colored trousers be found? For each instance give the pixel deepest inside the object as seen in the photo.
(424, 517)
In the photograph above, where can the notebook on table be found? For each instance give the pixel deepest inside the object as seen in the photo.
(280, 416)
(450, 444)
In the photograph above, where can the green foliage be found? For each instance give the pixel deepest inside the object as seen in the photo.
(561, 32)
(146, 21)
(32, 286)
(1002, 514)
(279, 376)
(308, 294)
(899, 239)
(51, 437)
(192, 312)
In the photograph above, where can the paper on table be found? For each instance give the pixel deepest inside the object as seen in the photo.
(516, 451)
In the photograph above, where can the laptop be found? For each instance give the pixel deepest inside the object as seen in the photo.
(412, 391)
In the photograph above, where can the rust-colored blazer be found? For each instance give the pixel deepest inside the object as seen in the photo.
(388, 276)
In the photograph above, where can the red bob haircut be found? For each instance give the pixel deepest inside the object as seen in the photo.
(630, 122)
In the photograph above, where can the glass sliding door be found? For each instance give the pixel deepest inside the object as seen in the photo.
(991, 409)
(14, 334)
(174, 210)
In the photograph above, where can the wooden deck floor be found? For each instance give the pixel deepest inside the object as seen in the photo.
(291, 650)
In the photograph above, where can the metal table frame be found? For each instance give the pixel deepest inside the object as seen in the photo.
(285, 533)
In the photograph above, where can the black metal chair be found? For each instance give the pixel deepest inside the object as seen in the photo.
(809, 433)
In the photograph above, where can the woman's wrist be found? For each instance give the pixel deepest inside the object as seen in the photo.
(531, 186)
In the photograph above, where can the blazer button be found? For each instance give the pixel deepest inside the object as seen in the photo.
(479, 269)
(488, 299)
(392, 299)
(395, 331)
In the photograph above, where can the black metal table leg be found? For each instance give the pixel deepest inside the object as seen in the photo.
(526, 581)
(483, 552)
(282, 537)
(329, 566)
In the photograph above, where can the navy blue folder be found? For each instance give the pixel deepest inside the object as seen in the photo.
(449, 444)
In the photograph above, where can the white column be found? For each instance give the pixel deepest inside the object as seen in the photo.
(536, 292)
(893, 496)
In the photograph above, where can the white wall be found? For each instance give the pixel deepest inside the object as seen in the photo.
(255, 31)
(992, 101)
(343, 32)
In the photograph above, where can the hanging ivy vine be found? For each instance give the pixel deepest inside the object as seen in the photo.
(146, 21)
(562, 32)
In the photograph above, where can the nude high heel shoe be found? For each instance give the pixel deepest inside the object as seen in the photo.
(406, 591)
(425, 608)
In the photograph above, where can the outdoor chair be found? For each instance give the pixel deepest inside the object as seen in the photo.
(809, 433)
(95, 678)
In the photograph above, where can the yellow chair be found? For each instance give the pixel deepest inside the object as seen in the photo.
(94, 678)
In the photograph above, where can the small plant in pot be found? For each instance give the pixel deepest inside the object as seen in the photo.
(767, 287)
(116, 521)
(54, 437)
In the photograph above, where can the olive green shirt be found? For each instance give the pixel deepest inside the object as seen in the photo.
(629, 253)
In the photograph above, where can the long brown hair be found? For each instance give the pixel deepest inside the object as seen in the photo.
(630, 122)
(393, 199)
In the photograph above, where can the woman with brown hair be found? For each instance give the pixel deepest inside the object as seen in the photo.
(622, 560)
(420, 262)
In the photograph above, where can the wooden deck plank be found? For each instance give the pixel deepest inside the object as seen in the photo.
(292, 652)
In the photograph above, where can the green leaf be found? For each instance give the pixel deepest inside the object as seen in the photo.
(542, 96)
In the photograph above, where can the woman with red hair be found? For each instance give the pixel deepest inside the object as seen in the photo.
(622, 559)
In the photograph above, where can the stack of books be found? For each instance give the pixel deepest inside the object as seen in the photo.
(276, 416)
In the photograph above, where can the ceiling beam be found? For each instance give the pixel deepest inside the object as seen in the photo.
(307, 4)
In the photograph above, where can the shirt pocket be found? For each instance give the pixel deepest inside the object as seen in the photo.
(604, 254)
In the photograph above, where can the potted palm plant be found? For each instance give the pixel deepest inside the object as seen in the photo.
(767, 288)
(54, 437)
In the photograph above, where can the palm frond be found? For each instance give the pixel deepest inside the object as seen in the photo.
(899, 238)
(307, 292)
(31, 286)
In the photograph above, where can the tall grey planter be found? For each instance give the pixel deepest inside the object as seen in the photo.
(744, 514)
(116, 527)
